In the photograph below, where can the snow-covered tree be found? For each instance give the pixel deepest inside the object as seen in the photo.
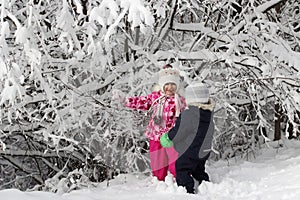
(60, 60)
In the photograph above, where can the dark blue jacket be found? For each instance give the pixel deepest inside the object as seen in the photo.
(192, 134)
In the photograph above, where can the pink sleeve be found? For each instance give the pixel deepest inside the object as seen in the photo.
(142, 102)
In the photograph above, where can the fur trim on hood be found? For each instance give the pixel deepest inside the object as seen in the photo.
(209, 106)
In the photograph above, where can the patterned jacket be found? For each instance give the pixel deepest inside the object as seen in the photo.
(151, 103)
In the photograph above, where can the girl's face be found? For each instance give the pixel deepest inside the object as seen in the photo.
(170, 89)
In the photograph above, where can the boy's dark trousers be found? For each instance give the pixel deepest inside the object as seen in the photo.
(186, 168)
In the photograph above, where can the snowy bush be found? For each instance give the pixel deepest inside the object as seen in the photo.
(60, 61)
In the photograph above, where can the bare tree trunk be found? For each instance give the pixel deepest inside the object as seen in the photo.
(277, 135)
(290, 130)
(162, 34)
(293, 126)
(126, 46)
(136, 40)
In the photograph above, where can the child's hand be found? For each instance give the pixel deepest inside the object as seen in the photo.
(118, 96)
(165, 141)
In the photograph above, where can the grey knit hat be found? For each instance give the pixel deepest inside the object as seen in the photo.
(197, 92)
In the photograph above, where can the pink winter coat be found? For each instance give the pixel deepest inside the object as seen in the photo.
(154, 131)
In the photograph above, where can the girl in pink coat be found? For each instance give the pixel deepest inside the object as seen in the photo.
(164, 106)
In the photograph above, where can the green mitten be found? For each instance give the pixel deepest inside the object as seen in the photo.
(165, 141)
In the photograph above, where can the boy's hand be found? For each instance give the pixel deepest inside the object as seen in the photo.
(165, 141)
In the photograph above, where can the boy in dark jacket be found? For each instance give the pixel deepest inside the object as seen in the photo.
(192, 137)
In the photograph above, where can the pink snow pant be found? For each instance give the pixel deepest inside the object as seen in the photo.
(162, 160)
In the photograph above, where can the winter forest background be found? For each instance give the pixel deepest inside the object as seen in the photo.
(60, 60)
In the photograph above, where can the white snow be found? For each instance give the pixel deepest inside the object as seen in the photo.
(272, 173)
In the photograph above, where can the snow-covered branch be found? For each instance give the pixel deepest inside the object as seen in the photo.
(31, 153)
(200, 27)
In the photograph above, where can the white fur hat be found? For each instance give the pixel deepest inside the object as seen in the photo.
(168, 75)
(197, 92)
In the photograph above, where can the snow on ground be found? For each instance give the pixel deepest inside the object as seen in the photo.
(273, 174)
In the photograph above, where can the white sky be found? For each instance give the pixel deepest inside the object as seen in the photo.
(273, 174)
